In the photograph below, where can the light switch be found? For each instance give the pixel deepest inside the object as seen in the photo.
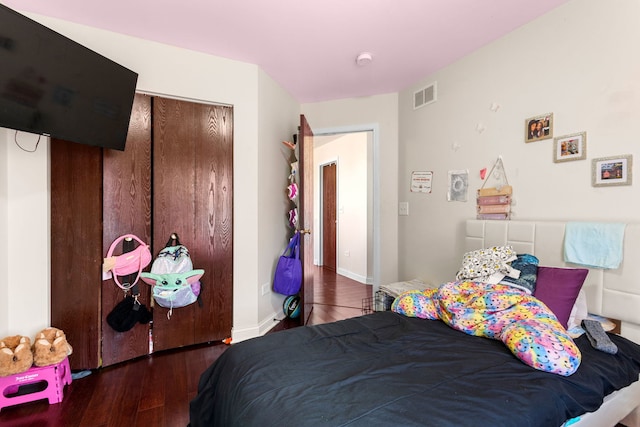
(403, 209)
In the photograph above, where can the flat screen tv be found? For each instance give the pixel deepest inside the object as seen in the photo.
(51, 85)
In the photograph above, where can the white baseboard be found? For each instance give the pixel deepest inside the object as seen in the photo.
(268, 323)
(357, 277)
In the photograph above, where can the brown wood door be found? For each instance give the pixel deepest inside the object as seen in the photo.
(329, 216)
(127, 210)
(305, 210)
(192, 196)
(76, 243)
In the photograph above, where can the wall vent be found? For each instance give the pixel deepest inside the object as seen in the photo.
(426, 95)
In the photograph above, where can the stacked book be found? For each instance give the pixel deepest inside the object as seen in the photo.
(494, 203)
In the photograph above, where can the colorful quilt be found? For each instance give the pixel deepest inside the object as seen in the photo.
(501, 312)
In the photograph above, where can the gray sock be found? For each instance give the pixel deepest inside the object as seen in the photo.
(598, 337)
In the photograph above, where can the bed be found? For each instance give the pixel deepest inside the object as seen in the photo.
(389, 369)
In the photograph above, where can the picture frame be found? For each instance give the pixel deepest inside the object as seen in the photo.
(610, 171)
(538, 128)
(570, 147)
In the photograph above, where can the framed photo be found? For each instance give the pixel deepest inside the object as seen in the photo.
(570, 147)
(538, 127)
(615, 170)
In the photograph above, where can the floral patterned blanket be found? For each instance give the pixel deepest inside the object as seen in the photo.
(501, 312)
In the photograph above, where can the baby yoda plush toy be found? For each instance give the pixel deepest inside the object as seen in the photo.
(50, 347)
(173, 290)
(15, 355)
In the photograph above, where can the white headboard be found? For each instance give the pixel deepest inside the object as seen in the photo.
(610, 293)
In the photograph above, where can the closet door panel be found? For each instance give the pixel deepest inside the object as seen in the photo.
(214, 222)
(192, 187)
(76, 242)
(174, 193)
(127, 210)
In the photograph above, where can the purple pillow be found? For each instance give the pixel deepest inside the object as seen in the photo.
(558, 288)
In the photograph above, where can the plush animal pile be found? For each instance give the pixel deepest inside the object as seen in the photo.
(17, 355)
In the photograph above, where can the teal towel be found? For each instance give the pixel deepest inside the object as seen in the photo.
(593, 244)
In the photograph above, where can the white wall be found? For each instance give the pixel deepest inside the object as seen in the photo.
(24, 225)
(379, 112)
(4, 229)
(350, 153)
(278, 121)
(174, 72)
(580, 62)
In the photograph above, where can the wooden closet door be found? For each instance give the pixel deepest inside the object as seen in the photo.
(127, 210)
(213, 223)
(192, 196)
(76, 242)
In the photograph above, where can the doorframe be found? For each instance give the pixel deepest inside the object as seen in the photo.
(374, 128)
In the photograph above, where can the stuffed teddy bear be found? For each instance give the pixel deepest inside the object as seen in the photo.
(50, 347)
(15, 355)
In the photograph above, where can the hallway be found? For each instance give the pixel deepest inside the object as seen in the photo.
(336, 297)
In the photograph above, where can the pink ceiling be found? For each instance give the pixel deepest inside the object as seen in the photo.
(310, 46)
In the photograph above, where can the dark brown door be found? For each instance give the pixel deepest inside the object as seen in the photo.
(127, 210)
(329, 216)
(76, 248)
(192, 196)
(305, 159)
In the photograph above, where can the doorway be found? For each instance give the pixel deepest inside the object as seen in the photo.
(344, 204)
(328, 206)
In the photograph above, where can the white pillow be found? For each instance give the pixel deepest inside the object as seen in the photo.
(579, 312)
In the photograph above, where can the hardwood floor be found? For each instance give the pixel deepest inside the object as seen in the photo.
(336, 297)
(155, 390)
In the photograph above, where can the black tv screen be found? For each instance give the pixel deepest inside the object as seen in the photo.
(51, 85)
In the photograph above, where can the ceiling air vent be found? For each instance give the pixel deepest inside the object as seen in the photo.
(425, 96)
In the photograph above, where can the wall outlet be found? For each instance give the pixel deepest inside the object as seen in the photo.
(266, 288)
(347, 253)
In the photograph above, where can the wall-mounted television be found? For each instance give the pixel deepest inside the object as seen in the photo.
(52, 85)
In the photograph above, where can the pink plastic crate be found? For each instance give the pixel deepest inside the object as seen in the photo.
(35, 384)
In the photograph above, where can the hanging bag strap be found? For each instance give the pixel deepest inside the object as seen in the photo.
(125, 287)
(120, 239)
(128, 246)
(297, 248)
(174, 240)
(293, 248)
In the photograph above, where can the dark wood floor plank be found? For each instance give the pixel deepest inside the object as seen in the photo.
(155, 391)
(153, 417)
(177, 395)
(100, 407)
(126, 400)
(76, 399)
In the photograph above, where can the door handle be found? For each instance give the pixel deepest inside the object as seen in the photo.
(305, 231)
